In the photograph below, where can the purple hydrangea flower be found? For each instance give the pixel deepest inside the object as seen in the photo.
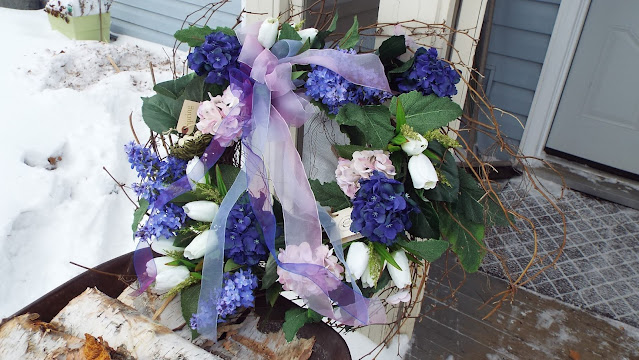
(215, 57)
(236, 293)
(381, 209)
(429, 75)
(155, 174)
(243, 242)
(334, 91)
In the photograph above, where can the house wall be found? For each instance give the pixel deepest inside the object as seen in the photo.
(519, 38)
(158, 20)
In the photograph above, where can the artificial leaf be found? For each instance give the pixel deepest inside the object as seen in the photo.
(425, 113)
(196, 275)
(333, 25)
(404, 67)
(429, 250)
(306, 46)
(221, 187)
(425, 222)
(383, 252)
(230, 265)
(470, 194)
(400, 116)
(288, 32)
(159, 114)
(201, 192)
(346, 151)
(194, 35)
(273, 293)
(174, 88)
(226, 30)
(352, 36)
(330, 194)
(194, 90)
(138, 214)
(229, 173)
(189, 298)
(294, 319)
(297, 74)
(270, 273)
(448, 168)
(373, 122)
(183, 239)
(391, 48)
(466, 242)
(314, 316)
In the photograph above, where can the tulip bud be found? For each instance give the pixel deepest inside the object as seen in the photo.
(195, 171)
(197, 248)
(201, 210)
(268, 32)
(402, 296)
(422, 172)
(164, 245)
(357, 260)
(167, 276)
(415, 144)
(401, 278)
(308, 34)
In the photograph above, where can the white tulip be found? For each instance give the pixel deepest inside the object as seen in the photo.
(402, 296)
(164, 245)
(268, 32)
(401, 278)
(167, 276)
(422, 172)
(201, 210)
(308, 34)
(415, 146)
(195, 171)
(357, 260)
(197, 248)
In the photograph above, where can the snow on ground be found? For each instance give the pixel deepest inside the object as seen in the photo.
(62, 102)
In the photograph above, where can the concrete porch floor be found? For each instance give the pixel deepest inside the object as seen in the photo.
(597, 275)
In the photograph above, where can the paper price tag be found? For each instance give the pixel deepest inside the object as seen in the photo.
(188, 116)
(343, 220)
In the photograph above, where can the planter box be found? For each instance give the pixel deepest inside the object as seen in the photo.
(83, 27)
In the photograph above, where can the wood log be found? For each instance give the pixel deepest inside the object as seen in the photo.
(95, 313)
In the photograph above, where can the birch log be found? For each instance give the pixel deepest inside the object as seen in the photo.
(95, 313)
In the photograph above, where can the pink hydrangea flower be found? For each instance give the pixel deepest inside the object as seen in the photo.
(303, 254)
(212, 112)
(349, 172)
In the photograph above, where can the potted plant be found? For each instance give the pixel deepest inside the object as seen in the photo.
(81, 19)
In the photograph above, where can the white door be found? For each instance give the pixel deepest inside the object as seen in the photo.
(598, 115)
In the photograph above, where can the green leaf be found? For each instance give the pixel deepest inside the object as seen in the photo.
(188, 300)
(400, 117)
(221, 187)
(425, 223)
(230, 265)
(229, 173)
(294, 319)
(288, 32)
(352, 36)
(201, 192)
(469, 247)
(194, 35)
(391, 48)
(429, 250)
(195, 90)
(270, 273)
(449, 169)
(138, 214)
(183, 239)
(273, 293)
(174, 88)
(225, 30)
(425, 113)
(297, 74)
(196, 275)
(159, 114)
(306, 46)
(330, 194)
(404, 67)
(495, 215)
(346, 151)
(372, 122)
(470, 194)
(333, 25)
(314, 316)
(383, 252)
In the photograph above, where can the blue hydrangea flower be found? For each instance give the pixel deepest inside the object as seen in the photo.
(429, 75)
(243, 242)
(155, 174)
(215, 57)
(332, 90)
(381, 209)
(236, 293)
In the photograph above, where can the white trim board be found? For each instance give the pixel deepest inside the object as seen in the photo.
(561, 49)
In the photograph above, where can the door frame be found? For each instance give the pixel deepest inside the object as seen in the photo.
(571, 18)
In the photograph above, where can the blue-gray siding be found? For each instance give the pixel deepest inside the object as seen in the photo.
(158, 20)
(518, 42)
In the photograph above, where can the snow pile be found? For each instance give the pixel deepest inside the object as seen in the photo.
(59, 205)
